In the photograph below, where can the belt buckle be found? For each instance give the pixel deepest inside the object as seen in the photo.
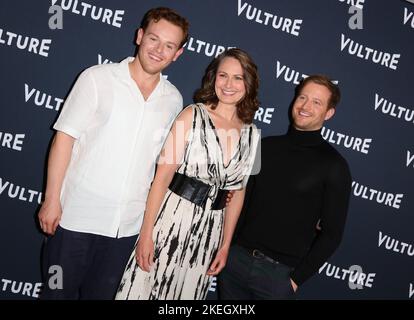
(257, 254)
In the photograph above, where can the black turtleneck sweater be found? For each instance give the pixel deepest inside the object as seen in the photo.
(302, 180)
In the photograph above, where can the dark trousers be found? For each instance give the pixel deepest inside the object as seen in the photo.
(248, 277)
(79, 265)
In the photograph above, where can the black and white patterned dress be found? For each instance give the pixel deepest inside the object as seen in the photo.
(187, 236)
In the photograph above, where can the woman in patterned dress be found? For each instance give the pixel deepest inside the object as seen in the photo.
(186, 233)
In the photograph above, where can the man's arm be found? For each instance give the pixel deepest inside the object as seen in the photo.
(77, 115)
(59, 157)
(333, 216)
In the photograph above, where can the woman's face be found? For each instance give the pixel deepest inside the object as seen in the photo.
(229, 85)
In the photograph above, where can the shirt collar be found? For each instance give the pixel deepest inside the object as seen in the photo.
(123, 72)
(304, 138)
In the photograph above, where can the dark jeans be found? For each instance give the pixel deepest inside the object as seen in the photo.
(91, 265)
(247, 277)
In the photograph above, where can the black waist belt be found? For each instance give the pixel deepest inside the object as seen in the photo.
(196, 191)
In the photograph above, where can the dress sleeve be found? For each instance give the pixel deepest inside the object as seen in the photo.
(252, 162)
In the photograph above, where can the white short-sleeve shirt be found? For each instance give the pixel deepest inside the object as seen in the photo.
(118, 138)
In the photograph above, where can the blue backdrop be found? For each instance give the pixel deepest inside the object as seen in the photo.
(373, 126)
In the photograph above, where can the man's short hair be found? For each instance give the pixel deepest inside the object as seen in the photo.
(156, 14)
(323, 81)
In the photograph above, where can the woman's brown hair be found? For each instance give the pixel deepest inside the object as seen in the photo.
(248, 105)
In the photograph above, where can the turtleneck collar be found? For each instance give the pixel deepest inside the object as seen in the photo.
(304, 138)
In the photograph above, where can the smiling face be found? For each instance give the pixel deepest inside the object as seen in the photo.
(229, 85)
(159, 45)
(310, 109)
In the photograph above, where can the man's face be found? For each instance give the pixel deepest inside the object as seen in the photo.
(159, 45)
(310, 109)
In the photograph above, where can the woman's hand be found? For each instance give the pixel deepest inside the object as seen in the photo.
(144, 252)
(219, 262)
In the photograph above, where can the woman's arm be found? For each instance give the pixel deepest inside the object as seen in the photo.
(232, 214)
(170, 157)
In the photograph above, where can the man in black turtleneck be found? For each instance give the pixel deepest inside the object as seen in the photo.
(303, 181)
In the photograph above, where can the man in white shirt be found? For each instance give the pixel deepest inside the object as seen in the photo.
(102, 161)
